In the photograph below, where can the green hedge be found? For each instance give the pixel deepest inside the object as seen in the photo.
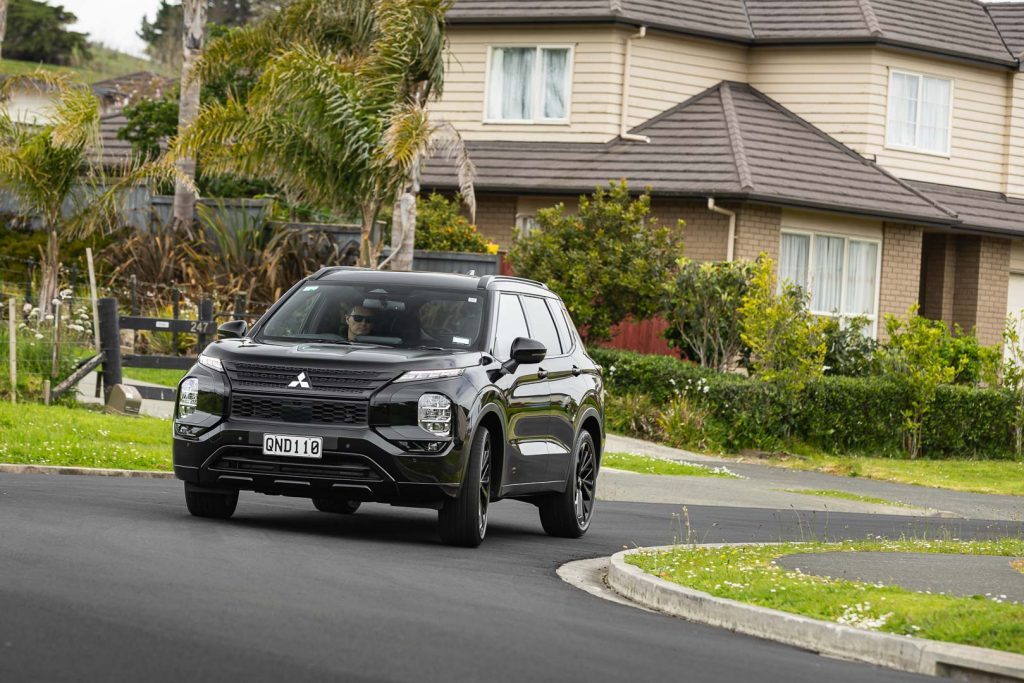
(835, 414)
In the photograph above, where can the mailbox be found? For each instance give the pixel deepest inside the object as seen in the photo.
(124, 400)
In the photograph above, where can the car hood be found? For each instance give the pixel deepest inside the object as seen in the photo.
(306, 355)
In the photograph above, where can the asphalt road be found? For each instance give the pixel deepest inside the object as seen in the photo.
(110, 579)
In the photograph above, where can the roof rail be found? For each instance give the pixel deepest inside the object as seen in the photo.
(488, 279)
(330, 269)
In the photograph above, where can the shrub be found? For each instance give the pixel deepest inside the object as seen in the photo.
(633, 415)
(660, 377)
(966, 421)
(1013, 374)
(974, 363)
(607, 262)
(849, 352)
(441, 227)
(702, 308)
(853, 415)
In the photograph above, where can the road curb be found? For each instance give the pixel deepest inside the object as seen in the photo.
(929, 657)
(93, 471)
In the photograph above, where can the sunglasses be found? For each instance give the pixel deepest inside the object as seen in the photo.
(362, 318)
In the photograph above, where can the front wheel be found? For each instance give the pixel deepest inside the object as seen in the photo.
(211, 504)
(568, 514)
(463, 519)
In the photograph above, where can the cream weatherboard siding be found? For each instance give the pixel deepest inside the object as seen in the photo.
(830, 87)
(1015, 138)
(596, 84)
(669, 69)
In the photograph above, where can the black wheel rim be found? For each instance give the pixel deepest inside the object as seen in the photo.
(586, 480)
(485, 487)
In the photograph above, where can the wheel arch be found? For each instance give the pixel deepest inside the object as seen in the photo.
(491, 418)
(591, 422)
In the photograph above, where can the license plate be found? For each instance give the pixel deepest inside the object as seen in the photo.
(295, 446)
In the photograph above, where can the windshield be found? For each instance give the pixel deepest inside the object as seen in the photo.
(383, 315)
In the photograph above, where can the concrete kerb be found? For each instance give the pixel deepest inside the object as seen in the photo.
(916, 655)
(94, 471)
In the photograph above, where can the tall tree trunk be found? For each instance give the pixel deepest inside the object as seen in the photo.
(403, 227)
(366, 250)
(192, 47)
(3, 25)
(49, 271)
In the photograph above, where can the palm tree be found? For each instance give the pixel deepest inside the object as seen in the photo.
(3, 24)
(336, 116)
(41, 165)
(192, 47)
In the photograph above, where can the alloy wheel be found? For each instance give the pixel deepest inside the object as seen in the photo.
(586, 480)
(485, 486)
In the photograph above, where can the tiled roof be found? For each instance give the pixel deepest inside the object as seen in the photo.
(1009, 18)
(978, 209)
(730, 141)
(960, 28)
(115, 153)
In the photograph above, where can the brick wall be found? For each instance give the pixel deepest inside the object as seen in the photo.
(705, 233)
(758, 230)
(496, 217)
(938, 277)
(901, 271)
(968, 270)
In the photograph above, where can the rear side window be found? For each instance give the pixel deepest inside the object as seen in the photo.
(563, 329)
(542, 326)
(511, 324)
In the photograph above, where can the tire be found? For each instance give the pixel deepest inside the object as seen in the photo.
(568, 514)
(210, 504)
(462, 520)
(340, 506)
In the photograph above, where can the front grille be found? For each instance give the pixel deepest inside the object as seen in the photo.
(298, 410)
(356, 384)
(350, 469)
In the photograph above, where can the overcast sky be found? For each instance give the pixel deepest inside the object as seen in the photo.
(114, 22)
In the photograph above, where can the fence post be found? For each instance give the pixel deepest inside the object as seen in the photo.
(55, 365)
(176, 308)
(74, 282)
(12, 328)
(205, 319)
(240, 301)
(110, 344)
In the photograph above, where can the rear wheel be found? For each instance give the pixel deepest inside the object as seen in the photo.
(211, 504)
(463, 519)
(568, 514)
(338, 506)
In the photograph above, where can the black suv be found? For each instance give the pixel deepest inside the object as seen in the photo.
(416, 389)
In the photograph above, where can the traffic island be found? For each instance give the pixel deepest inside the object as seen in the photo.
(748, 589)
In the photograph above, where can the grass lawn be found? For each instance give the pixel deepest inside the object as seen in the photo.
(647, 465)
(106, 63)
(746, 573)
(846, 495)
(166, 378)
(39, 435)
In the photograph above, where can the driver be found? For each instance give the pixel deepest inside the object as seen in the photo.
(360, 322)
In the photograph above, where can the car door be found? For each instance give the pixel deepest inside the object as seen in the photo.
(528, 400)
(562, 379)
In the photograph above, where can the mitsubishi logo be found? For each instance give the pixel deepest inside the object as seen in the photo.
(300, 382)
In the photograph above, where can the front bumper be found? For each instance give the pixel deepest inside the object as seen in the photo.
(357, 463)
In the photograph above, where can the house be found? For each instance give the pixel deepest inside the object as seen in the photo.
(873, 148)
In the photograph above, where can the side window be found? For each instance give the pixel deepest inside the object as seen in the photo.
(511, 324)
(564, 335)
(542, 327)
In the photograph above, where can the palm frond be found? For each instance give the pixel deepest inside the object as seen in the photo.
(446, 141)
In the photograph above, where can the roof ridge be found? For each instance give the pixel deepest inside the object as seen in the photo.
(850, 152)
(999, 31)
(746, 15)
(870, 18)
(732, 124)
(615, 6)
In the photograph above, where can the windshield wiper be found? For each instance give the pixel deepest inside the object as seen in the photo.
(429, 348)
(343, 342)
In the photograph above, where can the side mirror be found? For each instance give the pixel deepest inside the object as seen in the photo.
(524, 352)
(233, 330)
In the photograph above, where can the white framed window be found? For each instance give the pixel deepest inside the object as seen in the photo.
(920, 112)
(840, 273)
(529, 84)
(526, 224)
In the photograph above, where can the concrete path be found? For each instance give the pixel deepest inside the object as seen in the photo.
(965, 575)
(161, 409)
(765, 487)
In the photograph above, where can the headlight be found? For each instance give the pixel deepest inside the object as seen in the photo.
(211, 362)
(435, 414)
(416, 375)
(188, 397)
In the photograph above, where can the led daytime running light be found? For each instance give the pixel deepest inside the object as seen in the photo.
(211, 362)
(418, 375)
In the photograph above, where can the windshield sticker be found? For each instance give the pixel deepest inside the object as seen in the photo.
(472, 299)
(311, 288)
(460, 340)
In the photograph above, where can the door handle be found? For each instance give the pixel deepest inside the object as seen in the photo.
(576, 372)
(542, 373)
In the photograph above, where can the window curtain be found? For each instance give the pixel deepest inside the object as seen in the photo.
(827, 280)
(511, 88)
(793, 257)
(861, 276)
(556, 64)
(903, 110)
(934, 129)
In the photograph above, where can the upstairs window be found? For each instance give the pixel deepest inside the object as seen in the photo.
(529, 84)
(920, 112)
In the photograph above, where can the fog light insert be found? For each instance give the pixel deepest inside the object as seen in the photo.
(188, 397)
(435, 414)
